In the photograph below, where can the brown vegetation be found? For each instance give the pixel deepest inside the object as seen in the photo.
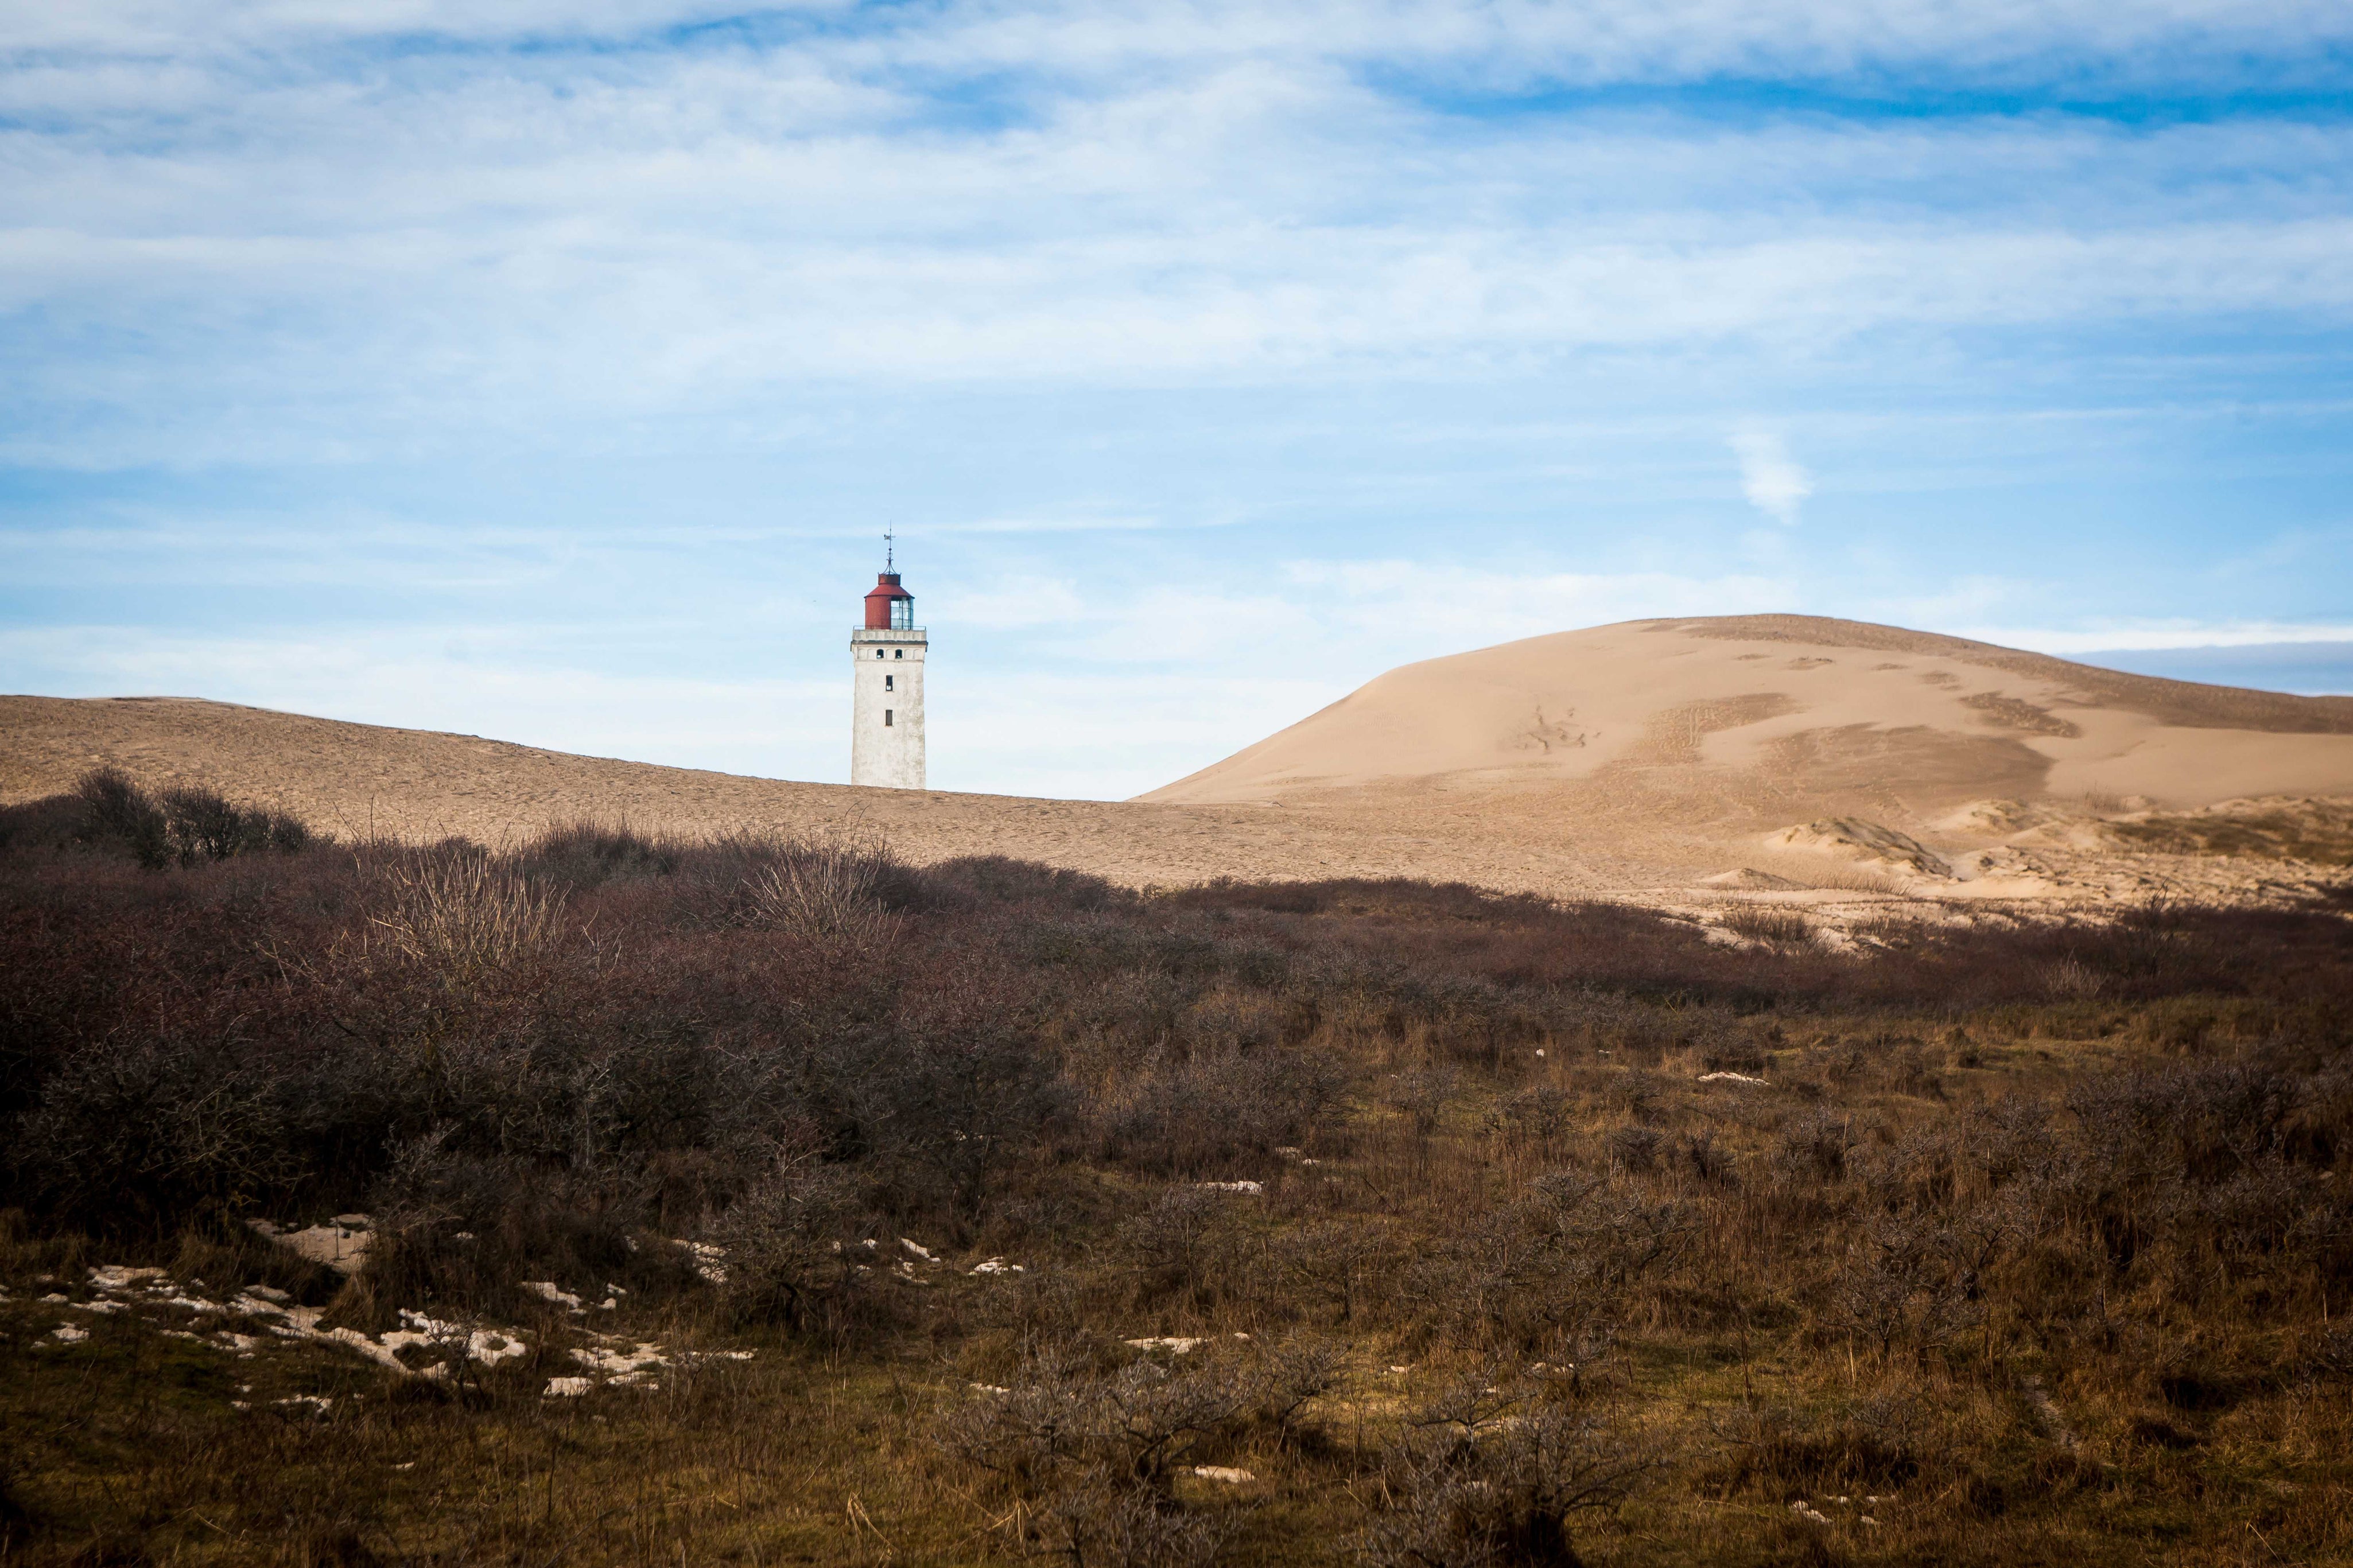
(1379, 1222)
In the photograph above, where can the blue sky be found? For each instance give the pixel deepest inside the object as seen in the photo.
(551, 369)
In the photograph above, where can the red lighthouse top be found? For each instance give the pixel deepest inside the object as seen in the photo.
(888, 605)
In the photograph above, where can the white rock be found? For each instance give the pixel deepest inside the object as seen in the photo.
(1224, 1474)
(115, 1276)
(709, 1261)
(67, 1333)
(339, 1247)
(627, 1366)
(567, 1387)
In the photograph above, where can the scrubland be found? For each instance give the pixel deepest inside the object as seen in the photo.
(815, 1208)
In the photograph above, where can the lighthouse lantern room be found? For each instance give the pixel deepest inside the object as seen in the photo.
(886, 733)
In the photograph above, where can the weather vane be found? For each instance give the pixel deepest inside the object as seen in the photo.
(889, 549)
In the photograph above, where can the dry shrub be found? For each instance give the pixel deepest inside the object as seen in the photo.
(464, 917)
(185, 824)
(1183, 1241)
(2070, 978)
(1773, 927)
(1493, 1474)
(784, 1240)
(1090, 1438)
(824, 889)
(1552, 1273)
(1202, 1114)
(1536, 1117)
(141, 1133)
(1815, 1147)
(1422, 1095)
(202, 825)
(1906, 1284)
(1340, 1263)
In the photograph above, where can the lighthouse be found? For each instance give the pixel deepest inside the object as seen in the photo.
(886, 720)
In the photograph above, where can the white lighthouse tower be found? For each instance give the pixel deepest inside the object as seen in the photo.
(886, 723)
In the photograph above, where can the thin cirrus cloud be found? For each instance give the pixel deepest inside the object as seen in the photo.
(1691, 36)
(1248, 349)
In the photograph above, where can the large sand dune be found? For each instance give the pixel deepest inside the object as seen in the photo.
(1799, 705)
(1784, 742)
(1763, 753)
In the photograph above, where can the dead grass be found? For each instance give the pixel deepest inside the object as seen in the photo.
(2319, 833)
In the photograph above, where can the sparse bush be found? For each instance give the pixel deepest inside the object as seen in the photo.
(1205, 1113)
(1906, 1284)
(463, 916)
(185, 824)
(1179, 1242)
(1636, 1148)
(143, 1133)
(115, 808)
(1339, 1262)
(1774, 927)
(824, 890)
(1092, 1450)
(1493, 1474)
(781, 1243)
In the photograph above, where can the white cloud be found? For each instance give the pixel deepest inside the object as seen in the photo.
(316, 259)
(2123, 637)
(1773, 482)
(1510, 42)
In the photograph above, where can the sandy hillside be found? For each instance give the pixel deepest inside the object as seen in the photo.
(1754, 756)
(1788, 740)
(362, 779)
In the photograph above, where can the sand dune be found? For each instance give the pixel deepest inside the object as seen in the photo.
(1754, 756)
(1785, 742)
(1799, 704)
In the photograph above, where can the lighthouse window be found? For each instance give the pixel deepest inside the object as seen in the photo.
(902, 615)
(886, 718)
(898, 653)
(878, 653)
(889, 681)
